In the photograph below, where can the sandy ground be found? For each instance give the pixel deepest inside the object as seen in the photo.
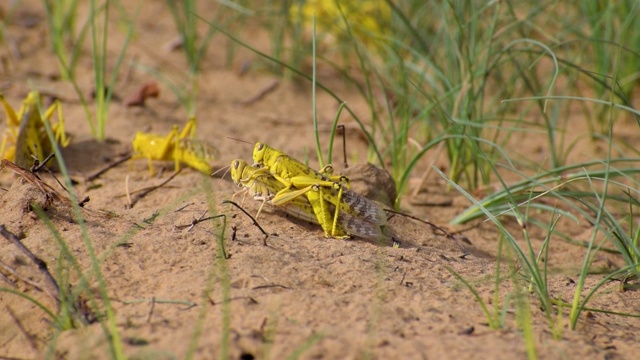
(295, 294)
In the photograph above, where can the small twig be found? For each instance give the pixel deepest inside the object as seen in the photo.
(42, 266)
(270, 286)
(425, 176)
(26, 280)
(189, 304)
(37, 165)
(403, 276)
(108, 167)
(30, 338)
(34, 179)
(126, 191)
(153, 305)
(443, 203)
(58, 181)
(262, 93)
(447, 234)
(137, 191)
(434, 226)
(142, 194)
(195, 221)
(264, 278)
(252, 300)
(255, 222)
(263, 326)
(234, 230)
(344, 144)
(7, 280)
(182, 207)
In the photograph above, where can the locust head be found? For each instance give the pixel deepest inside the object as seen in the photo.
(237, 168)
(259, 153)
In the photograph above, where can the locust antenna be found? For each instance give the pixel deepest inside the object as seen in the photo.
(226, 170)
(239, 140)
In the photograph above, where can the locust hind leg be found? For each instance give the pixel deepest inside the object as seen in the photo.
(150, 162)
(6, 151)
(337, 211)
(12, 117)
(170, 146)
(320, 209)
(58, 129)
(189, 129)
(323, 214)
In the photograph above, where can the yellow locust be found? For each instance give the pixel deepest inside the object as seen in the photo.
(179, 146)
(25, 134)
(322, 189)
(264, 187)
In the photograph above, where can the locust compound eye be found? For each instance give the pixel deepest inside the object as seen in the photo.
(259, 146)
(235, 164)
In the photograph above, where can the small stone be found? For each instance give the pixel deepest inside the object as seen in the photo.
(372, 182)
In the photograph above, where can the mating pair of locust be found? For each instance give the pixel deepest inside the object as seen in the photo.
(315, 196)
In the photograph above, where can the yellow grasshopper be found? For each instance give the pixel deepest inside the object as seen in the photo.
(179, 146)
(264, 187)
(26, 135)
(320, 187)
